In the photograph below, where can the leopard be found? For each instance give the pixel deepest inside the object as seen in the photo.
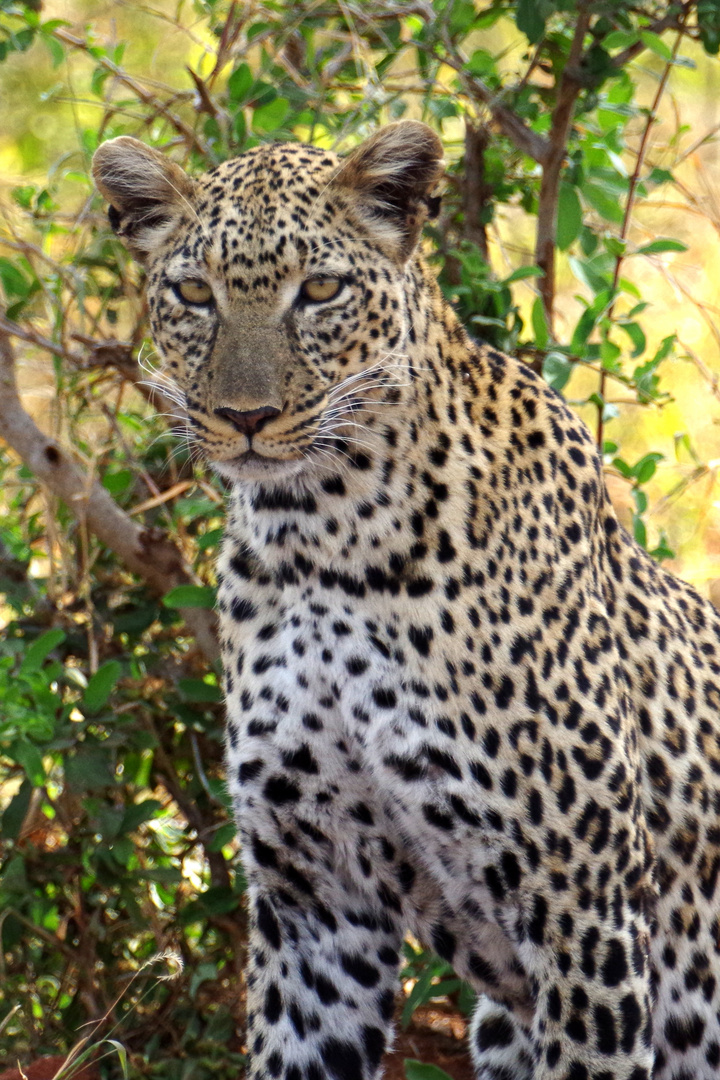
(462, 702)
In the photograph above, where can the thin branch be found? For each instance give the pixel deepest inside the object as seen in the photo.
(568, 91)
(145, 552)
(104, 353)
(137, 88)
(629, 205)
(476, 192)
(167, 775)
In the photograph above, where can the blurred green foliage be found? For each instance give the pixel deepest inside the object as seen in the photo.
(117, 853)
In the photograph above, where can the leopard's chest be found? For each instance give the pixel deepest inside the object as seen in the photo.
(329, 687)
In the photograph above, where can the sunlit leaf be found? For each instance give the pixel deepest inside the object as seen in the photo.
(656, 247)
(557, 370)
(539, 323)
(569, 216)
(656, 44)
(270, 117)
(190, 596)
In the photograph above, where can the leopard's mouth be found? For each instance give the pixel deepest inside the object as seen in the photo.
(253, 466)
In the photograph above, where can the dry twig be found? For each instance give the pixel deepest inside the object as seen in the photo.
(145, 552)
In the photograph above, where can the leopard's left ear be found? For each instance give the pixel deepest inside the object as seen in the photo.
(395, 172)
(146, 191)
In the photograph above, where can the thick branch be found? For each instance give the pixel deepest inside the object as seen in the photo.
(146, 552)
(570, 86)
(476, 192)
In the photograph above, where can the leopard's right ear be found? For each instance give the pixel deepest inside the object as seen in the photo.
(147, 193)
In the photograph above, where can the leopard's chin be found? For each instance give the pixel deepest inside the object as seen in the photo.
(252, 467)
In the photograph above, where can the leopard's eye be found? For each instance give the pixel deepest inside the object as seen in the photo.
(320, 288)
(194, 292)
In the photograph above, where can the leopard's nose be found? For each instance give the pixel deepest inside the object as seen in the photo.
(249, 423)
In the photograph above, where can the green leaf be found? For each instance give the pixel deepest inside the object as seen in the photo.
(557, 369)
(462, 16)
(615, 246)
(197, 690)
(210, 539)
(604, 200)
(609, 355)
(637, 335)
(663, 550)
(591, 272)
(587, 321)
(569, 216)
(530, 20)
(271, 116)
(240, 127)
(639, 530)
(417, 1070)
(644, 469)
(441, 108)
(40, 649)
(98, 80)
(121, 1053)
(656, 44)
(522, 273)
(619, 39)
(28, 755)
(641, 500)
(202, 973)
(89, 768)
(117, 483)
(663, 243)
(539, 323)
(56, 50)
(239, 84)
(100, 686)
(13, 280)
(224, 835)
(481, 63)
(664, 349)
(659, 176)
(191, 596)
(137, 813)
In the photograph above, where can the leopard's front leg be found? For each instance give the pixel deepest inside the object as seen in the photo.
(326, 887)
(592, 980)
(321, 983)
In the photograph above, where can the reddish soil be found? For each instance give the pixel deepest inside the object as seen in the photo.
(436, 1036)
(45, 1069)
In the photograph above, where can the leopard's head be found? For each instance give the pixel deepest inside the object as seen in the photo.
(278, 287)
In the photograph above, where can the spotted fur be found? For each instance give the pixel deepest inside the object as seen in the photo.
(461, 701)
